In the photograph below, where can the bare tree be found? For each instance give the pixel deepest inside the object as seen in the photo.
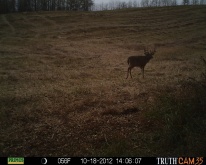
(195, 2)
(174, 3)
(5, 6)
(135, 4)
(202, 2)
(111, 5)
(154, 3)
(185, 2)
(123, 5)
(145, 3)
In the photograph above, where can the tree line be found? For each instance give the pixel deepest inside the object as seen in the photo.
(8, 6)
(121, 4)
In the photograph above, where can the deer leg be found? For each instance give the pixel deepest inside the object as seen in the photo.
(127, 73)
(143, 72)
(130, 72)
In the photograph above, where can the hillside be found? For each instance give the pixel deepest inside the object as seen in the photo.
(64, 92)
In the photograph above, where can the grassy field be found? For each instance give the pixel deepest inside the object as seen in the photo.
(63, 90)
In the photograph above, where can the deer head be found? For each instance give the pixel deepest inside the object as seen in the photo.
(149, 53)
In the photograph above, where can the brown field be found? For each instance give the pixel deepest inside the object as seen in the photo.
(64, 92)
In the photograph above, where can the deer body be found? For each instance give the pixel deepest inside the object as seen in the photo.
(139, 61)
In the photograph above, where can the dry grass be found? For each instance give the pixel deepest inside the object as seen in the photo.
(63, 86)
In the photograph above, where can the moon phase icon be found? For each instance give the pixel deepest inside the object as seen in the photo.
(43, 161)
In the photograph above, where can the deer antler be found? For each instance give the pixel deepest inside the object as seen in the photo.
(203, 60)
(146, 51)
(152, 52)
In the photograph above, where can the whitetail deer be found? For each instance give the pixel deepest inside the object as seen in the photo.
(139, 61)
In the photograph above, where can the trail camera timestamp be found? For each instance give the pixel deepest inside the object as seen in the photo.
(111, 160)
(97, 160)
(128, 160)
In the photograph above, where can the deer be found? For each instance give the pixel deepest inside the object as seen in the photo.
(140, 61)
